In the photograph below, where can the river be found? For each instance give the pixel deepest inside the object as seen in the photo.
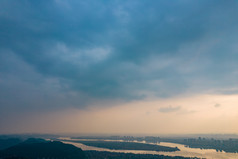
(184, 151)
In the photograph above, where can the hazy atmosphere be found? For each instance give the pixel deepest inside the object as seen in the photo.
(118, 67)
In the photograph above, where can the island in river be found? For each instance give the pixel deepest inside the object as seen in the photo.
(117, 145)
(226, 145)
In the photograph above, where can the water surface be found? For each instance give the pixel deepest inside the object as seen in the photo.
(184, 151)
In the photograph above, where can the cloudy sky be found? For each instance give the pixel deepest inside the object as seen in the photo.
(154, 67)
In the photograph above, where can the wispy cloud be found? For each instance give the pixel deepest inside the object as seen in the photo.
(169, 109)
(217, 105)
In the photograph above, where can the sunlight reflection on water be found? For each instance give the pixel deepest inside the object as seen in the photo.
(184, 151)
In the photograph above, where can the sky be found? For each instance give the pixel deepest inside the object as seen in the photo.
(118, 67)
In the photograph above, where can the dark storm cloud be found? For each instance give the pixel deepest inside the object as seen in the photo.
(66, 53)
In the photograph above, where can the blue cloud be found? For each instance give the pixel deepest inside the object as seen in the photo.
(114, 50)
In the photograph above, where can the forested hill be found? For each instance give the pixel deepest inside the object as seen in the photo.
(6, 143)
(40, 150)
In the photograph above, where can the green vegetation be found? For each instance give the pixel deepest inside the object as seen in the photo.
(56, 150)
(6, 143)
(115, 145)
(112, 155)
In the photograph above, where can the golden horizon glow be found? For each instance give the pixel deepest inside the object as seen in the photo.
(181, 115)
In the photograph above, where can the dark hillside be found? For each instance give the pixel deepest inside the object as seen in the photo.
(6, 143)
(54, 149)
